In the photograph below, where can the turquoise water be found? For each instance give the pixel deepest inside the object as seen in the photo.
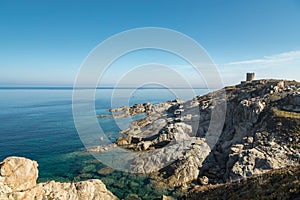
(38, 124)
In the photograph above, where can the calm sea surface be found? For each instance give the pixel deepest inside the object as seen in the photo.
(38, 124)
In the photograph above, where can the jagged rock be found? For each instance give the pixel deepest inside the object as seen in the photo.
(281, 85)
(104, 148)
(203, 180)
(18, 182)
(186, 168)
(146, 145)
(126, 140)
(142, 122)
(250, 140)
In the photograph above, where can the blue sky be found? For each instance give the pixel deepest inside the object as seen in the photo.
(43, 43)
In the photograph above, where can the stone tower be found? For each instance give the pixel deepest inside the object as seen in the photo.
(250, 77)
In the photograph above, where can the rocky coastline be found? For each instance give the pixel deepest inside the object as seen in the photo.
(260, 133)
(259, 137)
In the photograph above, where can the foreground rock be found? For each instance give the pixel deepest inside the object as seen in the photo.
(18, 182)
(237, 132)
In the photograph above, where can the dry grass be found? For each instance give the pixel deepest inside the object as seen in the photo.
(276, 184)
(286, 114)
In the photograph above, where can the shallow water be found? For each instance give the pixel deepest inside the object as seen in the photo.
(38, 124)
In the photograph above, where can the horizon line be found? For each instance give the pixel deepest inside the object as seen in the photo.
(82, 88)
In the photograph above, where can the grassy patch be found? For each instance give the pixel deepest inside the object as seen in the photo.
(277, 184)
(285, 114)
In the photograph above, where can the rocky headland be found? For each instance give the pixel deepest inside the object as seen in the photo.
(260, 132)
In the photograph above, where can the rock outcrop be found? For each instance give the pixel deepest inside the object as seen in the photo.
(18, 182)
(260, 127)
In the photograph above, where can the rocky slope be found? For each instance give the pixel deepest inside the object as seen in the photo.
(237, 132)
(276, 184)
(18, 182)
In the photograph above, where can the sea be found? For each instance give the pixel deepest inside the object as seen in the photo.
(38, 123)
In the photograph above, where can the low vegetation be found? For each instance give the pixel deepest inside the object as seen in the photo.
(285, 114)
(276, 184)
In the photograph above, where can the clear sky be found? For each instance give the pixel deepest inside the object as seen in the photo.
(43, 43)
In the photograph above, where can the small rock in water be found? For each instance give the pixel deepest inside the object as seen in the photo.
(101, 116)
(105, 170)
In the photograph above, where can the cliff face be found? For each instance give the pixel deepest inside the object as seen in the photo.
(261, 132)
(18, 182)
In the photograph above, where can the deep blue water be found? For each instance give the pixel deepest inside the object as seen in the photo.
(38, 124)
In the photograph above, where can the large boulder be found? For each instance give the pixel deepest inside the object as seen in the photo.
(17, 174)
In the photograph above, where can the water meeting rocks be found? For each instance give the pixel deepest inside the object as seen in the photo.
(18, 182)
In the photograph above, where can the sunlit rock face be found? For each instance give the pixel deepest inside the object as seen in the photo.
(17, 174)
